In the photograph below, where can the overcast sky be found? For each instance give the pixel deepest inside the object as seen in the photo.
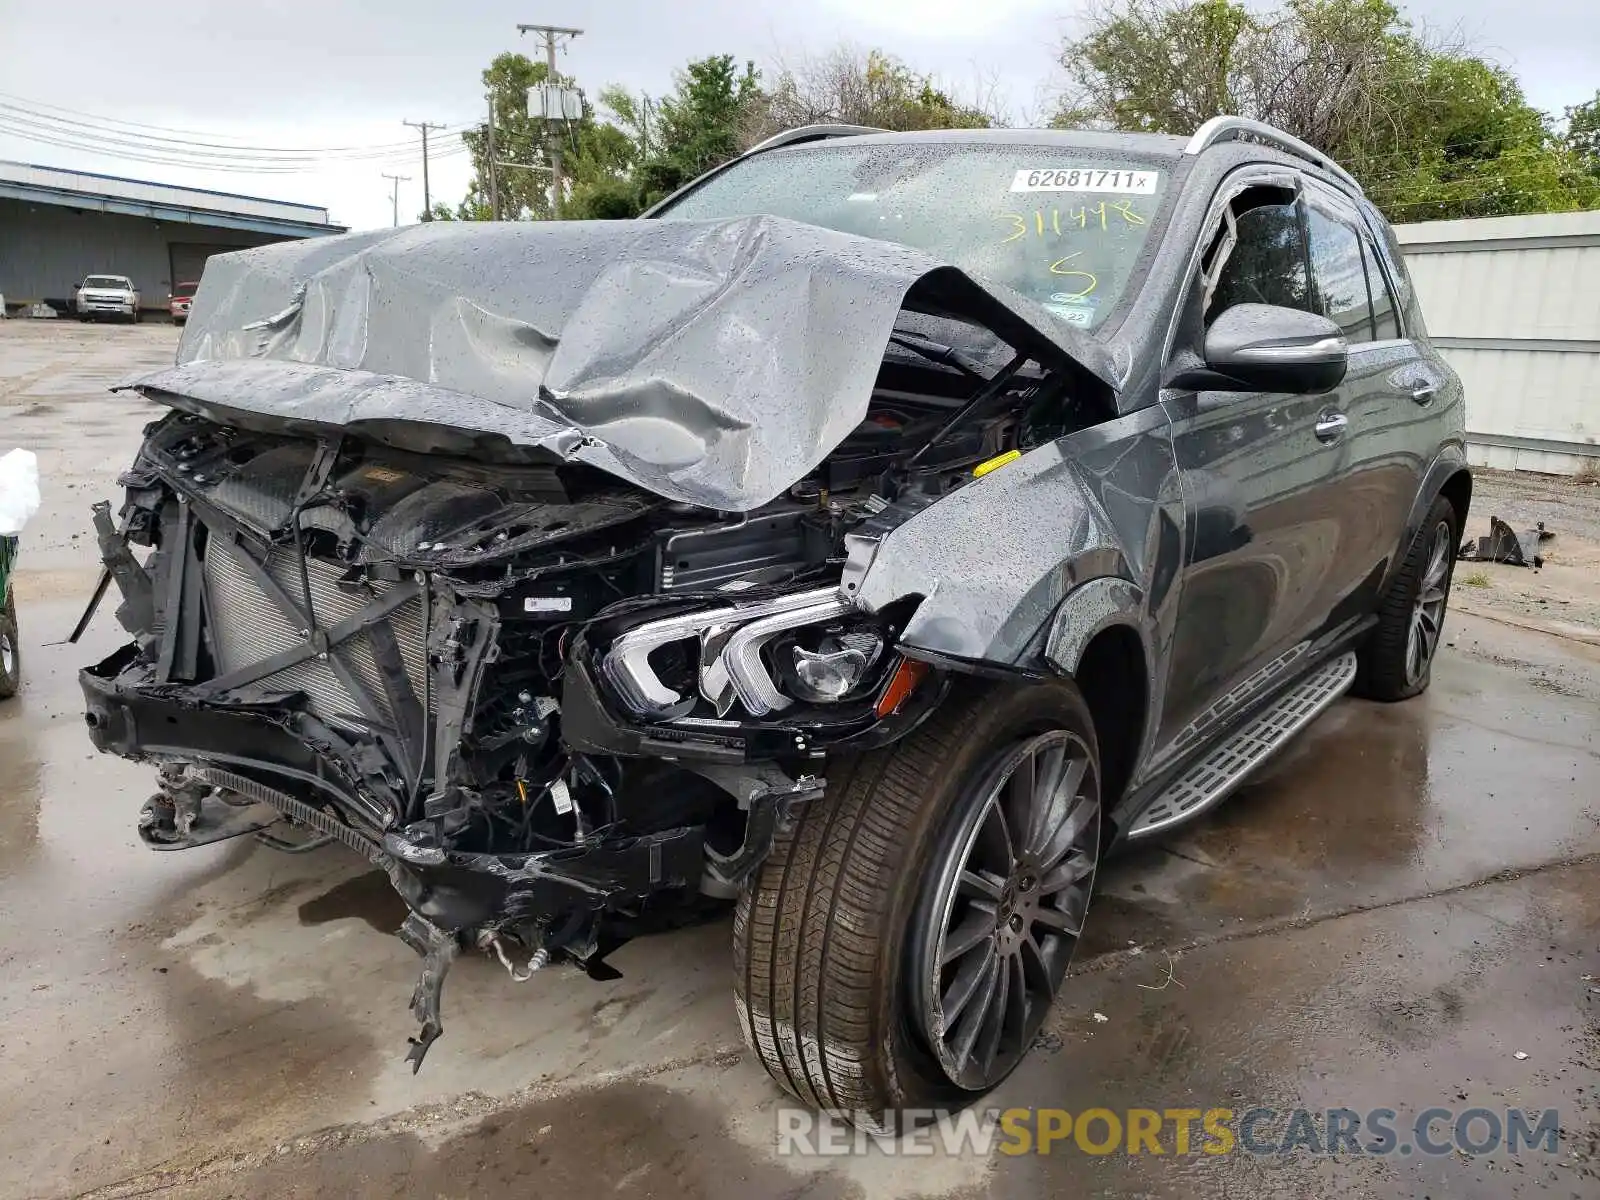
(334, 73)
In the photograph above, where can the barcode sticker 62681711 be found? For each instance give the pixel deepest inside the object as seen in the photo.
(1085, 179)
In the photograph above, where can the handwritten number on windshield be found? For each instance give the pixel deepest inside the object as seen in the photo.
(1084, 215)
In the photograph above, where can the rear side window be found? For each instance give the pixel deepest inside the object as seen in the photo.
(1389, 248)
(1363, 305)
(1339, 272)
(1385, 318)
(1267, 264)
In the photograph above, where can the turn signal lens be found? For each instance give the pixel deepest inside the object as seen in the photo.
(907, 674)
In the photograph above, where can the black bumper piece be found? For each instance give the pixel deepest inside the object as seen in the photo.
(453, 890)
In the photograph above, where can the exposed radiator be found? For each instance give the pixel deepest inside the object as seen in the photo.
(249, 627)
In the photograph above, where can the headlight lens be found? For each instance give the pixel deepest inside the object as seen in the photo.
(766, 655)
(829, 675)
(836, 667)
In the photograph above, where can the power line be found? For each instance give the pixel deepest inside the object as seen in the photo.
(162, 157)
(99, 135)
(162, 160)
(40, 104)
(99, 128)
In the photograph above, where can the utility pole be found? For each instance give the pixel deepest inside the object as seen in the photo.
(427, 197)
(395, 195)
(553, 36)
(494, 172)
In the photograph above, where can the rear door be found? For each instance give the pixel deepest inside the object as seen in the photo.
(1260, 474)
(1387, 398)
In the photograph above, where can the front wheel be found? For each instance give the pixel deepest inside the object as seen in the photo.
(1396, 661)
(903, 943)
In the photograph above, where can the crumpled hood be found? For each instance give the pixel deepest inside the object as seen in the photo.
(714, 362)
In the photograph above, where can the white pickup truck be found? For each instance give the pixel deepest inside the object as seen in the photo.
(106, 296)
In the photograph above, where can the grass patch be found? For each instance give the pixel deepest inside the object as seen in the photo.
(1478, 579)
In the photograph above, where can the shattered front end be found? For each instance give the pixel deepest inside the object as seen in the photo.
(528, 693)
(554, 613)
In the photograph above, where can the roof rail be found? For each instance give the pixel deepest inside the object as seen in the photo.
(1242, 129)
(811, 133)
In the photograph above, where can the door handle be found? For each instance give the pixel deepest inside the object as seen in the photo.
(1331, 425)
(1423, 393)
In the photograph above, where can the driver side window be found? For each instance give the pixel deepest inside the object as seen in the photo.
(1267, 264)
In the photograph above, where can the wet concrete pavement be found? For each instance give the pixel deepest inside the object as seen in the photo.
(1405, 901)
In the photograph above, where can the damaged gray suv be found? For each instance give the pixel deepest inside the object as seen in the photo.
(873, 538)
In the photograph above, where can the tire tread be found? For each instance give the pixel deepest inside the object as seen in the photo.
(1381, 661)
(813, 929)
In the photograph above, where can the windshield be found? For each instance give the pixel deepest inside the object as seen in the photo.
(182, 290)
(1061, 225)
(105, 281)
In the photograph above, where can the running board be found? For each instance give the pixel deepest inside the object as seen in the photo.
(1226, 767)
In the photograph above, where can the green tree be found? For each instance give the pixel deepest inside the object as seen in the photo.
(848, 87)
(647, 148)
(599, 163)
(686, 133)
(1583, 133)
(700, 122)
(1430, 130)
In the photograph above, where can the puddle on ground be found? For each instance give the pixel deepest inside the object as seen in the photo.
(370, 898)
(177, 1070)
(21, 791)
(628, 1140)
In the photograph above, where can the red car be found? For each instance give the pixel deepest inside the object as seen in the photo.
(178, 303)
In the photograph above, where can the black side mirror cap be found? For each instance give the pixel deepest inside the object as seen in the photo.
(1268, 348)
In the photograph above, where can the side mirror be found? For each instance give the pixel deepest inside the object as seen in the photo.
(1267, 348)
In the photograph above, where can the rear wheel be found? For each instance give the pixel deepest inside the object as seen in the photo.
(10, 654)
(1396, 662)
(903, 943)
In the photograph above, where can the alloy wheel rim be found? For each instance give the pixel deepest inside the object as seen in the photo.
(1427, 613)
(1008, 906)
(8, 656)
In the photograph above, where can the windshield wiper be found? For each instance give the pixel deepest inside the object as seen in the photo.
(938, 352)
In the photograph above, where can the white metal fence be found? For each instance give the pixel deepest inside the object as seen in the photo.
(1514, 305)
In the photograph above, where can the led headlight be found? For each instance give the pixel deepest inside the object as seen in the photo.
(741, 648)
(836, 668)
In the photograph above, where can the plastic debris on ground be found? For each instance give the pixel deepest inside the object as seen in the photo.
(1506, 545)
(19, 490)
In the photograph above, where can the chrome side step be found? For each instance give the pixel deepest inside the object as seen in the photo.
(1226, 767)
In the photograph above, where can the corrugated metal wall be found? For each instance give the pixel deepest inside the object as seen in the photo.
(159, 194)
(1514, 304)
(45, 251)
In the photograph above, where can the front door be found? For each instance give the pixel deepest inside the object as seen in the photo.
(1265, 521)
